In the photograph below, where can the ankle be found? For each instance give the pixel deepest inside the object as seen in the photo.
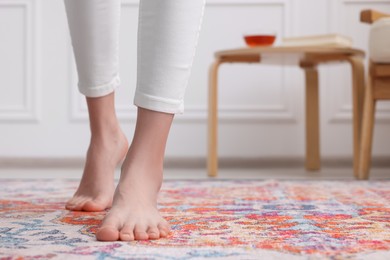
(145, 157)
(145, 178)
(107, 132)
(110, 125)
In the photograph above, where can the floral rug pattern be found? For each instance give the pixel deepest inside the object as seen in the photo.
(212, 219)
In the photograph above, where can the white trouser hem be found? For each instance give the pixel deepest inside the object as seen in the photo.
(101, 90)
(159, 104)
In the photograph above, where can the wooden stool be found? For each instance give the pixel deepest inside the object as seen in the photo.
(307, 58)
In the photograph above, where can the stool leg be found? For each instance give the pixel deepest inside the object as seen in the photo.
(312, 119)
(212, 160)
(367, 132)
(358, 97)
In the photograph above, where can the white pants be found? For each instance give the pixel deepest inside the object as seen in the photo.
(168, 32)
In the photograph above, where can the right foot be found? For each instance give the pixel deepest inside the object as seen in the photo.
(134, 214)
(96, 189)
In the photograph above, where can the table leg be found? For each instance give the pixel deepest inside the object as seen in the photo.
(212, 160)
(367, 131)
(358, 96)
(313, 162)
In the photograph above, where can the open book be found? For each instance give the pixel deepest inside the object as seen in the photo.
(326, 40)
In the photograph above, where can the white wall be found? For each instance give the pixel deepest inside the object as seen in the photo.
(262, 110)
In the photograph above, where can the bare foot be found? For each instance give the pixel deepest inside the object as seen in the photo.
(134, 214)
(96, 188)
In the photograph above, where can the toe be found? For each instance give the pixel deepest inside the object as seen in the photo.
(153, 232)
(71, 203)
(127, 233)
(80, 204)
(76, 203)
(109, 229)
(94, 205)
(140, 232)
(107, 233)
(164, 229)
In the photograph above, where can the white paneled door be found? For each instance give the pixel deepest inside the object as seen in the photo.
(261, 107)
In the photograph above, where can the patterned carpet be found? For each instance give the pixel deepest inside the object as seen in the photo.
(210, 220)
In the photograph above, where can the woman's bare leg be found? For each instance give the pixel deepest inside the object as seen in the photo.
(163, 71)
(94, 30)
(134, 214)
(107, 148)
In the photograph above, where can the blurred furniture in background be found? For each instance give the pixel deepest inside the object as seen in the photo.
(378, 87)
(307, 58)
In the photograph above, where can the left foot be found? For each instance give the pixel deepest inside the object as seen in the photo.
(96, 188)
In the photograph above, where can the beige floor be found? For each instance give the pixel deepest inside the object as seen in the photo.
(296, 173)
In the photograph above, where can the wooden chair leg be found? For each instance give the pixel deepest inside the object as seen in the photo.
(212, 160)
(358, 80)
(313, 162)
(367, 132)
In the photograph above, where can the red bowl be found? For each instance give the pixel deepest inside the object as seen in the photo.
(259, 40)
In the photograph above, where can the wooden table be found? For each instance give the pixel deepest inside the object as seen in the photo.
(307, 58)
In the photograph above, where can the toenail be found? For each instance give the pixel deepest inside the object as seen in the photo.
(128, 236)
